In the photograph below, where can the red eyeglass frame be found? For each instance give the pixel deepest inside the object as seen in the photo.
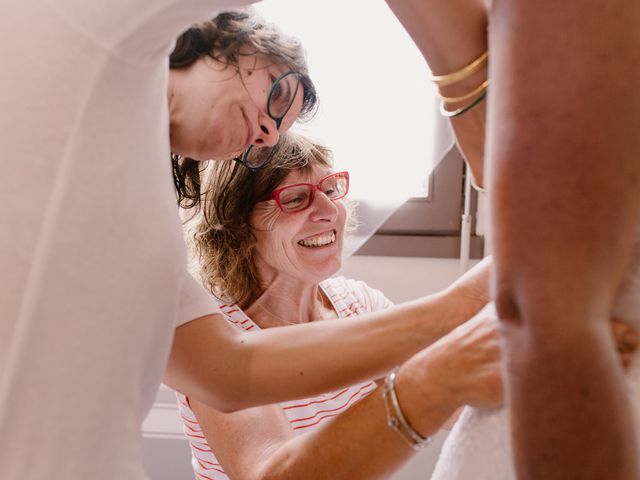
(314, 186)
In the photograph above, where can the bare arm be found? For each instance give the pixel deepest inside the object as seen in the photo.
(214, 364)
(564, 180)
(259, 443)
(450, 35)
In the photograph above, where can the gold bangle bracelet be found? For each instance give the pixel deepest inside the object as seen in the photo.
(464, 72)
(481, 88)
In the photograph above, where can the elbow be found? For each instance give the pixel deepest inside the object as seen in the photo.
(521, 313)
(537, 314)
(278, 466)
(266, 474)
(208, 392)
(293, 460)
(519, 299)
(507, 307)
(224, 402)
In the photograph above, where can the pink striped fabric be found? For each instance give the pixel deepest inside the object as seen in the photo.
(349, 297)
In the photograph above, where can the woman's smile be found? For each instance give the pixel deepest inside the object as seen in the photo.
(319, 240)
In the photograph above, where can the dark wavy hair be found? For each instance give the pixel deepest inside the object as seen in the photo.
(222, 39)
(223, 237)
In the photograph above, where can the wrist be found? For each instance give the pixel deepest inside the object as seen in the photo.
(424, 394)
(456, 306)
(465, 301)
(396, 418)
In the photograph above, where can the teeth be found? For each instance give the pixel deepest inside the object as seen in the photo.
(319, 241)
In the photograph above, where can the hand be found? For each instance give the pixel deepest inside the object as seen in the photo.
(461, 368)
(467, 362)
(626, 338)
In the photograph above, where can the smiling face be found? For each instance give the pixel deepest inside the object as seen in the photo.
(217, 110)
(306, 245)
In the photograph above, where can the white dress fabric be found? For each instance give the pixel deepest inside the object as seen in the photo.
(479, 445)
(348, 297)
(92, 262)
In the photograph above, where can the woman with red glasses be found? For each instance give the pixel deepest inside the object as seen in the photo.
(269, 243)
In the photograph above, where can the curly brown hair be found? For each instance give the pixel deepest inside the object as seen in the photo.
(223, 237)
(225, 38)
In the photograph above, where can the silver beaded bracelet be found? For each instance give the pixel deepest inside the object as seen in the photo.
(396, 419)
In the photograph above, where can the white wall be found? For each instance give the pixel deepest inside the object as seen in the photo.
(400, 278)
(403, 278)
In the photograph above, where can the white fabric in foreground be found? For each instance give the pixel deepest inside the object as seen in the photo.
(479, 445)
(92, 261)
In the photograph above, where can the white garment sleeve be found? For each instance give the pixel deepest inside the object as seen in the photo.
(138, 29)
(195, 302)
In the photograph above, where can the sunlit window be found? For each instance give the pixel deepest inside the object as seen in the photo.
(377, 106)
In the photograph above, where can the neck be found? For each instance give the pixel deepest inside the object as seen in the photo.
(288, 301)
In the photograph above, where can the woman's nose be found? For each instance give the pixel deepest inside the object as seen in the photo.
(323, 209)
(267, 134)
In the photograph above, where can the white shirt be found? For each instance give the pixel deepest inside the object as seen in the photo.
(92, 263)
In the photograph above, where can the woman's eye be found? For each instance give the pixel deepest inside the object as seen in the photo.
(276, 92)
(294, 199)
(290, 202)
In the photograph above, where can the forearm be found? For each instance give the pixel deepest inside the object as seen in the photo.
(320, 357)
(460, 368)
(211, 362)
(564, 189)
(569, 409)
(358, 443)
(303, 360)
(214, 364)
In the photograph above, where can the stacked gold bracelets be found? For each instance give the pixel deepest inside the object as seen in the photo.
(477, 95)
(395, 417)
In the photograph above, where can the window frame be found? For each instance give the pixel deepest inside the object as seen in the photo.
(430, 226)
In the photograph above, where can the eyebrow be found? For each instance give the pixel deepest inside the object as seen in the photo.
(308, 179)
(280, 67)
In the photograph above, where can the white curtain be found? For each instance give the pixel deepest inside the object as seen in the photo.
(378, 111)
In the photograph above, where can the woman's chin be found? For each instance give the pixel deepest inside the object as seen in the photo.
(327, 270)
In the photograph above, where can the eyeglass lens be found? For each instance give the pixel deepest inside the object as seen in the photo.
(298, 197)
(281, 96)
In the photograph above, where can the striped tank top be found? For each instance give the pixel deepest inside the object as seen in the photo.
(348, 297)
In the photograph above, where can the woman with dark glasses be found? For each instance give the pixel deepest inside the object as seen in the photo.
(235, 84)
(269, 245)
(93, 260)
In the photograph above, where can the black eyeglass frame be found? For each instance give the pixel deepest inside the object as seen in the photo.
(242, 159)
